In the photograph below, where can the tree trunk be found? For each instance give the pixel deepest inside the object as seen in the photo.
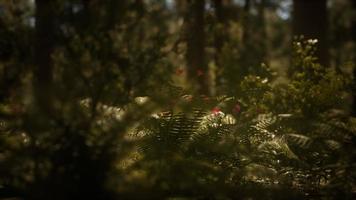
(181, 7)
(262, 31)
(246, 23)
(44, 38)
(38, 120)
(219, 35)
(310, 19)
(219, 38)
(117, 10)
(353, 30)
(195, 37)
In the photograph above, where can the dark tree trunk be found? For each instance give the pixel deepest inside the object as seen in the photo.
(311, 20)
(195, 36)
(180, 7)
(39, 119)
(116, 11)
(220, 18)
(249, 57)
(246, 23)
(219, 37)
(353, 30)
(262, 34)
(44, 39)
(92, 17)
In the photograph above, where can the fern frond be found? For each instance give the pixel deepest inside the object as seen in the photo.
(332, 144)
(170, 133)
(264, 121)
(278, 146)
(299, 140)
(262, 129)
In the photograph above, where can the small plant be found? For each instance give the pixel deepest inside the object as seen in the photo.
(291, 135)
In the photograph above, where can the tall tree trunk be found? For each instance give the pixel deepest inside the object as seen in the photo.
(39, 119)
(248, 50)
(246, 23)
(44, 38)
(262, 31)
(195, 55)
(92, 17)
(311, 20)
(116, 10)
(219, 37)
(354, 41)
(180, 7)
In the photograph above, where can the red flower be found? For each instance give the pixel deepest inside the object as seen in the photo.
(204, 97)
(236, 109)
(215, 110)
(260, 110)
(179, 71)
(200, 72)
(16, 108)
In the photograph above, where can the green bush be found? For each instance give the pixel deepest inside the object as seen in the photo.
(292, 138)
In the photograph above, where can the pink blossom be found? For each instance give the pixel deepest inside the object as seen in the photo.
(236, 109)
(216, 110)
(179, 71)
(200, 72)
(205, 98)
(260, 110)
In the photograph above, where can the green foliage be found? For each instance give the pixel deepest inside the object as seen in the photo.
(120, 127)
(287, 134)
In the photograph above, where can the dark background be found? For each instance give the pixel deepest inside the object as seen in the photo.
(177, 99)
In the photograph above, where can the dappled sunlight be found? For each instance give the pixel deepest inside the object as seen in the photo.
(177, 99)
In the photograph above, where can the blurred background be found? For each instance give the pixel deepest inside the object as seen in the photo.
(177, 99)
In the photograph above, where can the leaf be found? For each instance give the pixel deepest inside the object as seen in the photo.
(277, 146)
(301, 141)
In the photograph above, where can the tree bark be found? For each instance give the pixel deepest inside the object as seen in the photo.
(195, 37)
(353, 31)
(246, 23)
(220, 18)
(44, 47)
(117, 10)
(219, 37)
(262, 31)
(311, 20)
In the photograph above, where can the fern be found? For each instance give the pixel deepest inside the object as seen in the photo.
(299, 140)
(170, 133)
